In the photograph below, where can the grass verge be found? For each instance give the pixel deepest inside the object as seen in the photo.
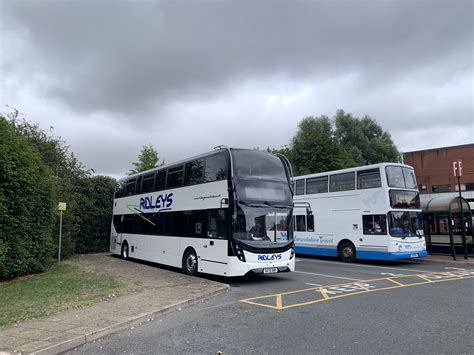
(64, 287)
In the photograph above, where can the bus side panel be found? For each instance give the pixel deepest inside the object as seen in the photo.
(138, 245)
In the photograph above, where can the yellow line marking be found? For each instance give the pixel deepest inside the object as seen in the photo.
(425, 278)
(395, 282)
(278, 302)
(324, 293)
(322, 290)
(361, 285)
(362, 292)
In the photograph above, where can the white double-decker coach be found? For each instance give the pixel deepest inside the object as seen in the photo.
(227, 212)
(368, 212)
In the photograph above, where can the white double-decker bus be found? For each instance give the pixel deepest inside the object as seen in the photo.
(228, 212)
(368, 212)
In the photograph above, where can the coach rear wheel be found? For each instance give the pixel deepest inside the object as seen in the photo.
(190, 263)
(347, 252)
(124, 253)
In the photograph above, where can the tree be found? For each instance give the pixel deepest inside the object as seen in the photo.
(364, 139)
(27, 202)
(147, 159)
(314, 149)
(94, 234)
(72, 178)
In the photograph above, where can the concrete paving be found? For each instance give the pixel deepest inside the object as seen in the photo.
(156, 291)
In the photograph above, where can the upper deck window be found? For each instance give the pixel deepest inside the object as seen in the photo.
(256, 164)
(368, 179)
(317, 185)
(215, 168)
(300, 187)
(342, 182)
(398, 176)
(175, 177)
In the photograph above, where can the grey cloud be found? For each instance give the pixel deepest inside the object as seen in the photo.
(137, 56)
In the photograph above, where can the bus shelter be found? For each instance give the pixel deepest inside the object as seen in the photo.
(447, 230)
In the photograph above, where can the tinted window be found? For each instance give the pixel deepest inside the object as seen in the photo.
(130, 189)
(194, 172)
(317, 185)
(160, 180)
(343, 182)
(138, 187)
(217, 224)
(216, 167)
(367, 179)
(300, 187)
(148, 183)
(120, 189)
(251, 163)
(175, 177)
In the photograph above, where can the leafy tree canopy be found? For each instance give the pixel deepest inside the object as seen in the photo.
(147, 159)
(324, 144)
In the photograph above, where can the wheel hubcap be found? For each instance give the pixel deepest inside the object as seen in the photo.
(191, 262)
(347, 252)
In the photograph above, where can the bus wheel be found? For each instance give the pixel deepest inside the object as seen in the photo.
(190, 263)
(124, 253)
(347, 252)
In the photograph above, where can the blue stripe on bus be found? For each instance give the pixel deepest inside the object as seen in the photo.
(370, 255)
(383, 255)
(316, 251)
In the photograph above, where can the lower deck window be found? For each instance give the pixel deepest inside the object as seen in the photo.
(375, 224)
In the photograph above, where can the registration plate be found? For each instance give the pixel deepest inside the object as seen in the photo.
(414, 255)
(270, 270)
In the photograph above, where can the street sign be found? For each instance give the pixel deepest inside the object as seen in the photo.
(62, 206)
(457, 168)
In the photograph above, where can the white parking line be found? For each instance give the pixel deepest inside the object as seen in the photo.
(324, 275)
(366, 266)
(310, 284)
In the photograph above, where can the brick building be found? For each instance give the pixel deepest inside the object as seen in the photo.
(434, 169)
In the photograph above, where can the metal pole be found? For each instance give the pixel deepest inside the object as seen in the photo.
(463, 229)
(60, 231)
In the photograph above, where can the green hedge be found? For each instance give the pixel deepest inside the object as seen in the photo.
(27, 202)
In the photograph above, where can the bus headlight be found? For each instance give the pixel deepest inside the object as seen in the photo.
(399, 248)
(292, 255)
(239, 252)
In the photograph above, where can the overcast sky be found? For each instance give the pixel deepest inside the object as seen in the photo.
(112, 76)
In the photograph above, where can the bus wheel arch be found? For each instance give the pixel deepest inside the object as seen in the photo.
(346, 251)
(190, 262)
(125, 251)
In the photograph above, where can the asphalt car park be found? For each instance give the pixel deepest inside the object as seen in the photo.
(325, 306)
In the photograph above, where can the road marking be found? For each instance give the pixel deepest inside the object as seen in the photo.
(324, 275)
(395, 282)
(362, 265)
(331, 292)
(311, 284)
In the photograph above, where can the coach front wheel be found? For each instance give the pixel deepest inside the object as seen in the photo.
(347, 252)
(124, 253)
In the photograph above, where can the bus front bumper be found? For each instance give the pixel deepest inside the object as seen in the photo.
(377, 255)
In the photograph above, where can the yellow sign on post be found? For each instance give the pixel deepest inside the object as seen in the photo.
(62, 206)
